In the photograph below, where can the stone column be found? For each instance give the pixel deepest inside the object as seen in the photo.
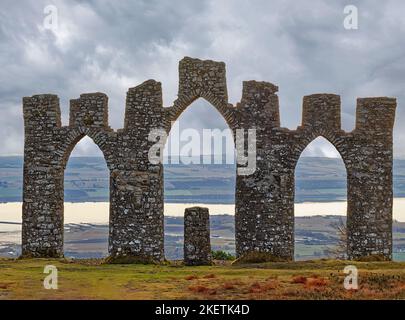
(42, 223)
(197, 245)
(370, 194)
(256, 222)
(136, 187)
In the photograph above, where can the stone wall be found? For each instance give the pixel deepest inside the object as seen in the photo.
(264, 216)
(136, 187)
(197, 244)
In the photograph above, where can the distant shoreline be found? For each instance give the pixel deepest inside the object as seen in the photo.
(98, 212)
(180, 202)
(196, 203)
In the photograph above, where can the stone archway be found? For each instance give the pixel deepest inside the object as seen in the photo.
(210, 184)
(86, 202)
(264, 198)
(319, 188)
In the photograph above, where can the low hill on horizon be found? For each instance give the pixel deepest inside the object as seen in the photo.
(87, 179)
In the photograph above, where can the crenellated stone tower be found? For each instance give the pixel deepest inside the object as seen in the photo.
(264, 214)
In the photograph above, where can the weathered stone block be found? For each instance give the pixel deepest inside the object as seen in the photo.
(321, 111)
(90, 110)
(41, 113)
(197, 244)
(260, 103)
(375, 114)
(202, 78)
(143, 107)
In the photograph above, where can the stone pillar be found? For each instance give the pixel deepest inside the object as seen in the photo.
(197, 244)
(42, 226)
(256, 223)
(136, 208)
(370, 195)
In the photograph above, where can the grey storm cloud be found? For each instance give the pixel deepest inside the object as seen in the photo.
(109, 46)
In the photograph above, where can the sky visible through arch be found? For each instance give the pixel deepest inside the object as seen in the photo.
(110, 46)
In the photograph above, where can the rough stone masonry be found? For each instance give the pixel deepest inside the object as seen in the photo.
(264, 201)
(197, 244)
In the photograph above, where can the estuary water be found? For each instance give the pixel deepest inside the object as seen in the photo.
(98, 212)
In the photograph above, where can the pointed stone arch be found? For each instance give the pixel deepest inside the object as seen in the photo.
(335, 138)
(202, 79)
(227, 111)
(76, 134)
(341, 161)
(77, 210)
(264, 199)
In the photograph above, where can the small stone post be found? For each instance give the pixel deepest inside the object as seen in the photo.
(197, 245)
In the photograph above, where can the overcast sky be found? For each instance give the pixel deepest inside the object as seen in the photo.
(108, 46)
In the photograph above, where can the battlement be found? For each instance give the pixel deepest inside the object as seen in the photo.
(207, 79)
(375, 114)
(259, 99)
(143, 104)
(90, 110)
(321, 111)
(41, 112)
(202, 78)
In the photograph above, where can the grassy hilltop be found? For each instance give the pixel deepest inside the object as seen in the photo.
(90, 279)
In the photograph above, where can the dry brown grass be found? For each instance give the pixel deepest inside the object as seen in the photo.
(199, 288)
(228, 286)
(299, 279)
(263, 287)
(5, 285)
(22, 279)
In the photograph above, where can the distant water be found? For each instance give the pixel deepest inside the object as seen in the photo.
(98, 212)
